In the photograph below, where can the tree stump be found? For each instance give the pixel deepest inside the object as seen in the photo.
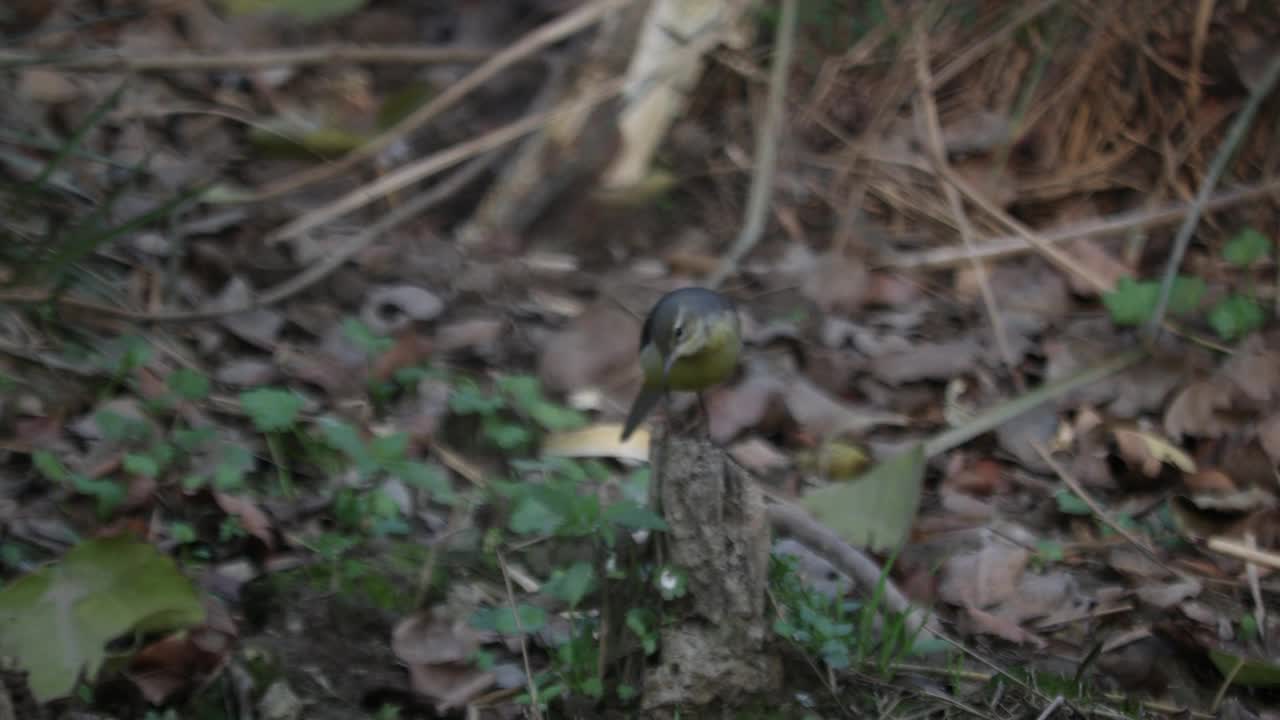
(719, 535)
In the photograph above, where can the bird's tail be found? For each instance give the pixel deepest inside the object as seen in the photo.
(643, 405)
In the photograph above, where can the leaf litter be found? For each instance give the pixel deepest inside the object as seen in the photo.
(853, 350)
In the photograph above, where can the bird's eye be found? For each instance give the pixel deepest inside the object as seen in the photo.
(679, 331)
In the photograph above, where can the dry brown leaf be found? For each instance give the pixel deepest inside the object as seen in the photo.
(1166, 595)
(1019, 436)
(839, 284)
(247, 372)
(1194, 411)
(891, 290)
(474, 334)
(744, 405)
(437, 651)
(410, 348)
(589, 349)
(821, 414)
(983, 477)
(1269, 437)
(1255, 371)
(260, 328)
(985, 623)
(184, 660)
(46, 86)
(985, 577)
(251, 517)
(431, 637)
(1150, 452)
(928, 361)
(759, 456)
(1101, 264)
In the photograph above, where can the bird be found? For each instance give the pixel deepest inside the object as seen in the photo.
(690, 341)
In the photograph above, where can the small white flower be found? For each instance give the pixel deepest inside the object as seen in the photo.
(668, 581)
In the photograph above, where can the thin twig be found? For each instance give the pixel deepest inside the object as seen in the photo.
(122, 61)
(524, 645)
(761, 193)
(1241, 551)
(1216, 169)
(928, 111)
(1007, 245)
(970, 55)
(1102, 514)
(433, 164)
(1053, 706)
(542, 37)
(848, 559)
(313, 274)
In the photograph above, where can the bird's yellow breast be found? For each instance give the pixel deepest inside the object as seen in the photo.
(711, 365)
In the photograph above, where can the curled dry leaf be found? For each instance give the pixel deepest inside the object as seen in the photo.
(260, 327)
(985, 623)
(390, 309)
(184, 660)
(251, 517)
(1150, 452)
(1195, 411)
(982, 477)
(1020, 436)
(437, 651)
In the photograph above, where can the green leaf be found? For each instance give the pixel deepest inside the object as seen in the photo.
(58, 620)
(1070, 504)
(430, 478)
(633, 516)
(143, 465)
(364, 338)
(108, 493)
(188, 384)
(1050, 550)
(192, 440)
(346, 439)
(876, 509)
(235, 462)
(1235, 317)
(1246, 248)
(50, 467)
(469, 399)
(305, 11)
(119, 428)
(573, 584)
(506, 435)
(389, 449)
(1246, 671)
(532, 516)
(1184, 297)
(503, 620)
(271, 409)
(556, 418)
(1131, 302)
